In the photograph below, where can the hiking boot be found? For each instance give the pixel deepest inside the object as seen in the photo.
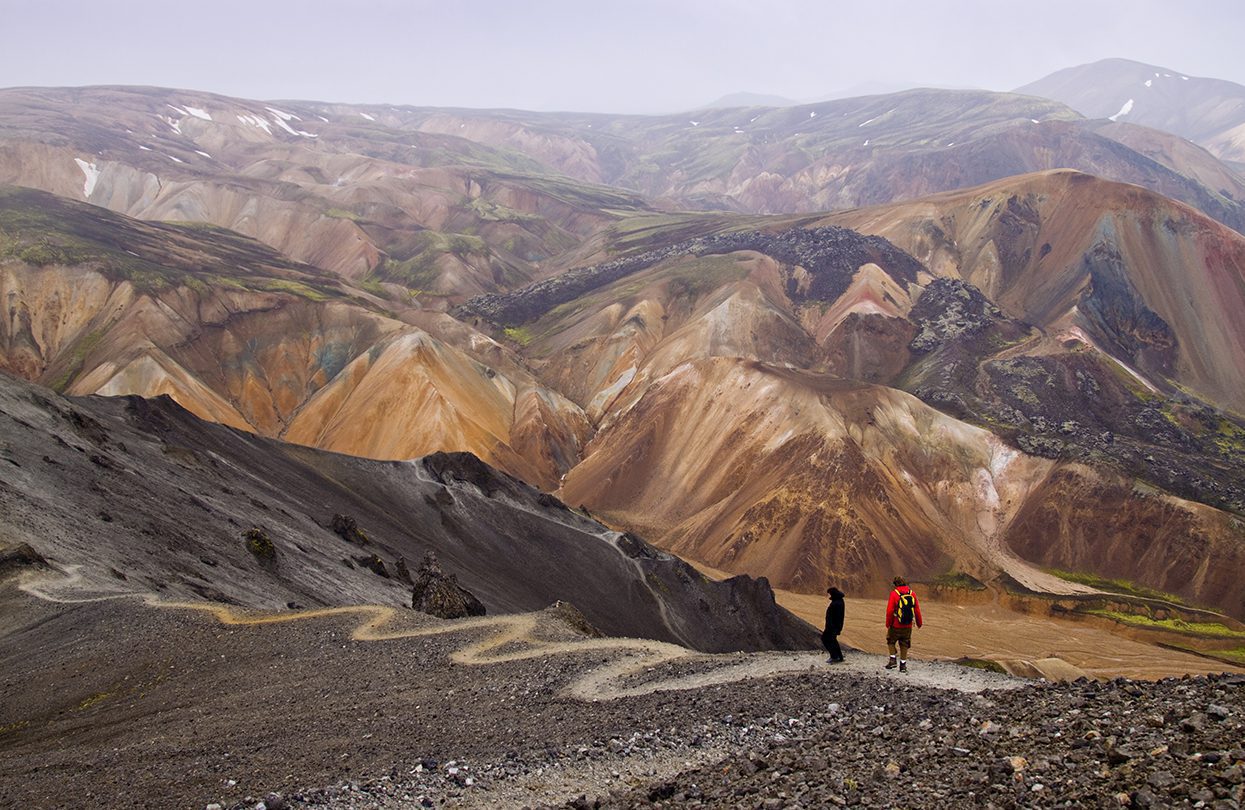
(838, 660)
(903, 666)
(890, 664)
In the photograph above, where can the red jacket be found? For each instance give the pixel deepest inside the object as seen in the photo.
(893, 603)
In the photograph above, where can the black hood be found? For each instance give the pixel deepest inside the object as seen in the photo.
(835, 593)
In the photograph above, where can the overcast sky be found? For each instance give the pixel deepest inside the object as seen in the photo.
(596, 55)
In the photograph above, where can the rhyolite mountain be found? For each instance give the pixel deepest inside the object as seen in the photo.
(436, 215)
(97, 303)
(765, 370)
(977, 381)
(1209, 112)
(82, 475)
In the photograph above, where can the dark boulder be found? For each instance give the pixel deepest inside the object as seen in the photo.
(374, 564)
(20, 558)
(439, 594)
(345, 527)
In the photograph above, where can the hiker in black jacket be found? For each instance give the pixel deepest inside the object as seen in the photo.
(834, 626)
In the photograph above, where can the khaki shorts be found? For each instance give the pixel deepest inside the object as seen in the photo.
(899, 634)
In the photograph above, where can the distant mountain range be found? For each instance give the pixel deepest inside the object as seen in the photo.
(745, 99)
(1209, 112)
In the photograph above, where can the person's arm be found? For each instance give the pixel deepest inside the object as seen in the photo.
(916, 608)
(890, 609)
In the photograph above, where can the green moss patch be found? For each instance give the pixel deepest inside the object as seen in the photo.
(1120, 586)
(43, 230)
(341, 213)
(982, 664)
(1203, 629)
(260, 544)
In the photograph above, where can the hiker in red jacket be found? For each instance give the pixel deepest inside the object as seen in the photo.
(902, 610)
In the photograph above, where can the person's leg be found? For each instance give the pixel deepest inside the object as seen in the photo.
(891, 637)
(836, 652)
(905, 643)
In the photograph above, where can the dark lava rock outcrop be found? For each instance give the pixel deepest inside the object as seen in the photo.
(1077, 405)
(950, 309)
(21, 557)
(439, 594)
(830, 254)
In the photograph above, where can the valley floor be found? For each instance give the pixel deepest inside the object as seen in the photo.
(118, 703)
(1024, 644)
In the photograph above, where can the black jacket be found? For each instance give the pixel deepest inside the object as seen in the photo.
(834, 613)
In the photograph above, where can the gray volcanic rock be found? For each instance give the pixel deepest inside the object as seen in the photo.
(144, 489)
(1080, 744)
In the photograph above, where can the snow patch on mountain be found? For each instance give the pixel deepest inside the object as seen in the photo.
(284, 116)
(368, 117)
(1125, 110)
(256, 121)
(281, 123)
(198, 112)
(92, 176)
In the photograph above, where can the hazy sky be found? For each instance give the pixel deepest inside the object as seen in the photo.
(596, 55)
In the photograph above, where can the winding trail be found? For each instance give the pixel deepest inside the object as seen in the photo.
(632, 670)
